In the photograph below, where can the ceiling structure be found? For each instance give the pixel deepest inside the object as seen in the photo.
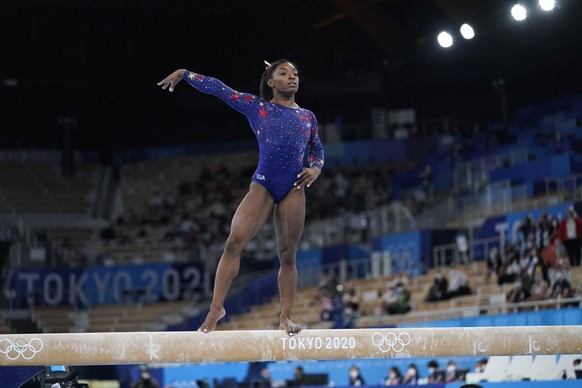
(99, 61)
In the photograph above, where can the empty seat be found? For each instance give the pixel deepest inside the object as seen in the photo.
(496, 369)
(520, 368)
(544, 368)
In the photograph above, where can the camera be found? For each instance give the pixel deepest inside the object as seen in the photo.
(60, 377)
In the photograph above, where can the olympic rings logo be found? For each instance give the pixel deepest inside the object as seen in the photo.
(20, 348)
(391, 341)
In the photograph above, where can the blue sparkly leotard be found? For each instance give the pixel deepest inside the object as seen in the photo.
(284, 134)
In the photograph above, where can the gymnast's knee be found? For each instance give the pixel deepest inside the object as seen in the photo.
(234, 246)
(287, 257)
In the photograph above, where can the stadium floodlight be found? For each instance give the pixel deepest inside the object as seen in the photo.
(518, 12)
(467, 31)
(445, 39)
(547, 5)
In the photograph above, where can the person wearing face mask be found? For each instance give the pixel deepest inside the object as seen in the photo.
(394, 377)
(439, 289)
(480, 365)
(356, 379)
(411, 376)
(145, 379)
(561, 287)
(433, 372)
(451, 372)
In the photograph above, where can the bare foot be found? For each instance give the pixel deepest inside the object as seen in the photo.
(289, 327)
(214, 315)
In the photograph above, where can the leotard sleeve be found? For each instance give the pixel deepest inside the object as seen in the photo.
(241, 102)
(315, 154)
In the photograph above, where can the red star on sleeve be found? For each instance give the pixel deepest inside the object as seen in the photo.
(199, 77)
(262, 112)
(234, 96)
(248, 98)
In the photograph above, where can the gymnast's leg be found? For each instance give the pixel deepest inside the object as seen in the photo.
(251, 215)
(289, 221)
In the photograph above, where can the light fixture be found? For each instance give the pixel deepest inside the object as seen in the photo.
(547, 5)
(445, 39)
(518, 12)
(467, 31)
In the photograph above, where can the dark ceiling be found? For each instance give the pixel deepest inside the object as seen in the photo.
(99, 61)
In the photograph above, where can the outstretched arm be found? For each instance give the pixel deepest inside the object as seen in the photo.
(241, 102)
(172, 80)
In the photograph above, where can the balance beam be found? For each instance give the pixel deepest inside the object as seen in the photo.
(275, 345)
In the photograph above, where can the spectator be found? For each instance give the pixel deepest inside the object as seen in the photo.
(458, 283)
(518, 293)
(351, 305)
(264, 380)
(451, 374)
(480, 365)
(438, 290)
(411, 377)
(570, 234)
(561, 288)
(510, 268)
(539, 288)
(299, 376)
(549, 254)
(394, 377)
(433, 372)
(328, 281)
(462, 248)
(145, 379)
(493, 263)
(356, 379)
(400, 302)
(527, 231)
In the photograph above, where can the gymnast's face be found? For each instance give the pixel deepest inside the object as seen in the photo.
(285, 79)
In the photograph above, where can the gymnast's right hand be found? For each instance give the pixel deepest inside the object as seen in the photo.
(172, 80)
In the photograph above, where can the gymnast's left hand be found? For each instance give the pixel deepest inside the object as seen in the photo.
(307, 177)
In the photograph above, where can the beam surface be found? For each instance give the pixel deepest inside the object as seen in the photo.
(274, 345)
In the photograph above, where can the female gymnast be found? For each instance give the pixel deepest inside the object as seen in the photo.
(285, 133)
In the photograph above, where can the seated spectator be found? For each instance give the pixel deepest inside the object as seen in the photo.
(458, 283)
(510, 269)
(433, 375)
(400, 301)
(394, 377)
(439, 288)
(351, 304)
(356, 379)
(561, 287)
(493, 263)
(451, 374)
(539, 288)
(411, 376)
(518, 293)
(298, 376)
(480, 365)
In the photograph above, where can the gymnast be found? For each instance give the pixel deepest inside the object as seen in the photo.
(285, 133)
